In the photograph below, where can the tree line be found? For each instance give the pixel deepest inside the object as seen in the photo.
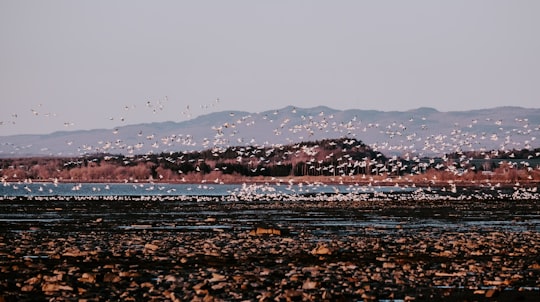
(328, 157)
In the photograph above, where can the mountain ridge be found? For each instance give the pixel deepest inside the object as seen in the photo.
(413, 131)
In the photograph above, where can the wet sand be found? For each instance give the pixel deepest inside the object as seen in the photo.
(162, 249)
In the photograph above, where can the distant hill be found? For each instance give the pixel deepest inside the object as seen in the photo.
(423, 131)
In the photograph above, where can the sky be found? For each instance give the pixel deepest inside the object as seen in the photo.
(67, 65)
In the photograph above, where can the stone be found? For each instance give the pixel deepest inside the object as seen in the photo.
(217, 278)
(33, 280)
(490, 293)
(150, 246)
(265, 231)
(53, 287)
(170, 278)
(27, 288)
(291, 293)
(308, 284)
(110, 277)
(87, 278)
(219, 286)
(321, 250)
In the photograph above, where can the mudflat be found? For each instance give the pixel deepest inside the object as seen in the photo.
(302, 249)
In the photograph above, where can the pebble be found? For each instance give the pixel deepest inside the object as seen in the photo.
(69, 261)
(321, 250)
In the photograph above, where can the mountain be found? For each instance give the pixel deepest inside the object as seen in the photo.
(422, 131)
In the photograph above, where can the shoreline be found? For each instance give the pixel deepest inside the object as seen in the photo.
(309, 180)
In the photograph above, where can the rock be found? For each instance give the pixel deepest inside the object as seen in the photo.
(308, 284)
(265, 272)
(456, 274)
(217, 278)
(201, 288)
(54, 287)
(493, 282)
(27, 288)
(75, 253)
(367, 297)
(490, 293)
(265, 231)
(150, 246)
(321, 250)
(170, 278)
(146, 285)
(33, 280)
(87, 278)
(208, 298)
(129, 274)
(219, 286)
(173, 297)
(401, 240)
(294, 294)
(110, 277)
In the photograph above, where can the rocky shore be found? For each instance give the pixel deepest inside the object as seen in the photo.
(308, 250)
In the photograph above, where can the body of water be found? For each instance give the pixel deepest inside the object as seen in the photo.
(207, 189)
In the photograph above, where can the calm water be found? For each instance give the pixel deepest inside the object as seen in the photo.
(151, 189)
(198, 201)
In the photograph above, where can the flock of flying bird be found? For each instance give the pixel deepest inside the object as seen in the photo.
(407, 139)
(410, 139)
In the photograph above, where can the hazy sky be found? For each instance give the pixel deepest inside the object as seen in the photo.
(88, 64)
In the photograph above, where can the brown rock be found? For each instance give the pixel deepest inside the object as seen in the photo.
(219, 286)
(110, 277)
(150, 246)
(27, 288)
(34, 280)
(75, 253)
(54, 287)
(208, 298)
(146, 285)
(367, 297)
(200, 288)
(170, 278)
(491, 293)
(87, 278)
(321, 250)
(55, 278)
(264, 231)
(308, 284)
(479, 292)
(291, 293)
(217, 278)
